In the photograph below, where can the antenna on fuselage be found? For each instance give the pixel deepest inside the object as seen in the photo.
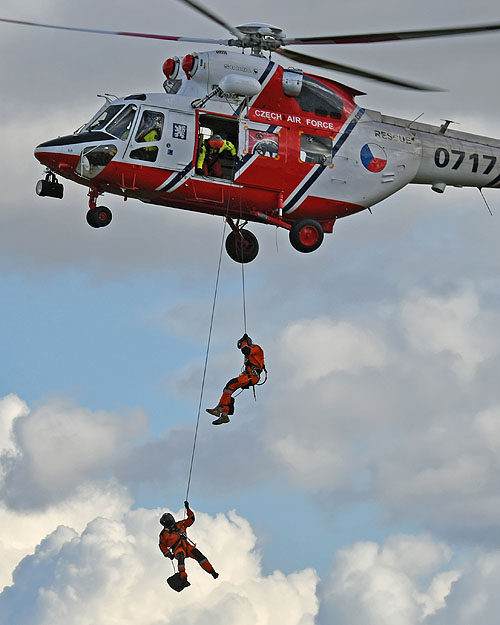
(108, 97)
(487, 205)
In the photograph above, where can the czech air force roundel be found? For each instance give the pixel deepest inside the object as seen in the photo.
(373, 157)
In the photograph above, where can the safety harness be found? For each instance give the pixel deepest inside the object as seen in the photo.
(183, 538)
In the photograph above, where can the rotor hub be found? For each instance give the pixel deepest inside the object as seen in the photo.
(260, 37)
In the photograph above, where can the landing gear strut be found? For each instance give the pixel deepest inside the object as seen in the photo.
(50, 187)
(241, 245)
(97, 216)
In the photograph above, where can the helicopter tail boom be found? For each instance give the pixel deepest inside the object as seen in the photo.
(449, 157)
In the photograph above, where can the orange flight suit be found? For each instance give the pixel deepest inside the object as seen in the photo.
(174, 544)
(254, 364)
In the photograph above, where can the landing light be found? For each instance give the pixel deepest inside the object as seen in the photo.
(190, 64)
(171, 68)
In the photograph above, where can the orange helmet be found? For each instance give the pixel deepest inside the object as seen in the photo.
(216, 141)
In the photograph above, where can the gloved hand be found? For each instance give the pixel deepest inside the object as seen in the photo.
(186, 504)
(169, 555)
(199, 171)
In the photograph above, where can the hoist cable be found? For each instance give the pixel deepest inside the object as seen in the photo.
(206, 362)
(243, 274)
(244, 298)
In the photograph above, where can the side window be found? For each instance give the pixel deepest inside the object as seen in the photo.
(315, 97)
(314, 149)
(263, 143)
(94, 159)
(150, 130)
(145, 154)
(121, 125)
(151, 126)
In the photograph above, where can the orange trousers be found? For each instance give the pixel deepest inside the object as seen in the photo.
(186, 550)
(245, 380)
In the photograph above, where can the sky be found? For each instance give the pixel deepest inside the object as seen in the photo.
(361, 487)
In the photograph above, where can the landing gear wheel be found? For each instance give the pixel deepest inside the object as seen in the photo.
(306, 235)
(99, 217)
(242, 251)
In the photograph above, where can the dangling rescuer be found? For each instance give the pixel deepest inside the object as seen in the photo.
(253, 367)
(174, 543)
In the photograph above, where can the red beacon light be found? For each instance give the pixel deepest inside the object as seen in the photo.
(190, 64)
(171, 68)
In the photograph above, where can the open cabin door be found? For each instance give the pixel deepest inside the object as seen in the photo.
(218, 148)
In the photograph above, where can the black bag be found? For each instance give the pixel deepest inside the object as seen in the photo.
(177, 583)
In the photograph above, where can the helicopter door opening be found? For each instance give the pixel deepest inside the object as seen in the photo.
(217, 148)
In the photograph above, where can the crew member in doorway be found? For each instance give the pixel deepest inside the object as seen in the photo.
(208, 163)
(174, 543)
(252, 369)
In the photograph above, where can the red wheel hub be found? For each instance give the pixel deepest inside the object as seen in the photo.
(308, 235)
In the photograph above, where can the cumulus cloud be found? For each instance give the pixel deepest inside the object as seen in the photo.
(112, 571)
(22, 531)
(11, 407)
(474, 598)
(410, 419)
(57, 448)
(397, 583)
(454, 324)
(316, 348)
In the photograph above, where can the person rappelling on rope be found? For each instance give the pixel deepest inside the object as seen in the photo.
(174, 543)
(252, 369)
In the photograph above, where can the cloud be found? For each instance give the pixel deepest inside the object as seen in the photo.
(11, 407)
(397, 583)
(474, 597)
(316, 348)
(401, 409)
(22, 531)
(113, 570)
(453, 324)
(57, 448)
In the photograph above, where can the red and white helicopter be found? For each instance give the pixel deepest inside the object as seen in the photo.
(303, 155)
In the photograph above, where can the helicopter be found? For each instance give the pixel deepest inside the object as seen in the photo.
(238, 135)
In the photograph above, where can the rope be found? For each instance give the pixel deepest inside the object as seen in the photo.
(243, 277)
(206, 362)
(244, 298)
(210, 334)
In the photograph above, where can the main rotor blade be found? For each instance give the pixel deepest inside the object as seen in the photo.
(346, 69)
(394, 36)
(215, 18)
(222, 42)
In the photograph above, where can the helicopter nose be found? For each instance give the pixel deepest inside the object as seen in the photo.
(59, 155)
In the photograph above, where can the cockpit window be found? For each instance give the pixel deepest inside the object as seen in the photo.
(121, 125)
(106, 116)
(315, 97)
